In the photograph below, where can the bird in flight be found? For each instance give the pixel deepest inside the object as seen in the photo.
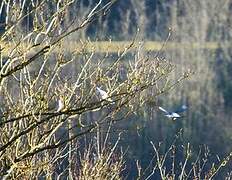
(104, 95)
(174, 114)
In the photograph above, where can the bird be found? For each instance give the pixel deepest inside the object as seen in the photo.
(104, 95)
(174, 114)
(60, 105)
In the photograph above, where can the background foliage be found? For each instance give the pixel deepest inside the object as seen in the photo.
(206, 126)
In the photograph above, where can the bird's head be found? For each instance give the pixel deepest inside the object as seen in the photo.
(184, 107)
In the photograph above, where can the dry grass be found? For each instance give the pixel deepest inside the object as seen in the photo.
(119, 46)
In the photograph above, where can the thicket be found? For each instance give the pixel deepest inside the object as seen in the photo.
(53, 122)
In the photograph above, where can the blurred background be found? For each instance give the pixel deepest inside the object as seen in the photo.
(202, 33)
(200, 40)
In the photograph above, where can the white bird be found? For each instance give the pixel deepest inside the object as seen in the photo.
(104, 95)
(174, 114)
(60, 105)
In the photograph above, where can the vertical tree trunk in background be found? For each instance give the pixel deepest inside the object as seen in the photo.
(139, 9)
(70, 149)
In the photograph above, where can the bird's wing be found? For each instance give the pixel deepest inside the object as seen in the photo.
(102, 93)
(60, 105)
(98, 89)
(162, 109)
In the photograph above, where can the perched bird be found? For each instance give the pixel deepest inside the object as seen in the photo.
(174, 114)
(60, 105)
(104, 95)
